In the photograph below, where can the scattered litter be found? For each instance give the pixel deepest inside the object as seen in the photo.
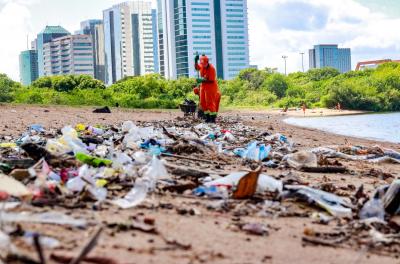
(118, 166)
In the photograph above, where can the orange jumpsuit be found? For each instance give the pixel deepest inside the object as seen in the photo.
(210, 95)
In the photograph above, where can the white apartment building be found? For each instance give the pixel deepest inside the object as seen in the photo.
(72, 54)
(216, 28)
(128, 36)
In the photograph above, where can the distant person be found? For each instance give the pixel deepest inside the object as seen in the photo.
(304, 107)
(210, 96)
(339, 107)
(286, 109)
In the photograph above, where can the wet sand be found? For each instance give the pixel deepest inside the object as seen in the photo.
(210, 233)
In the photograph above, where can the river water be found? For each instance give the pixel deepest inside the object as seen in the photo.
(381, 127)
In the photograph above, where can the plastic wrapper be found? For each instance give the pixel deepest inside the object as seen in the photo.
(42, 218)
(374, 208)
(92, 161)
(45, 241)
(333, 204)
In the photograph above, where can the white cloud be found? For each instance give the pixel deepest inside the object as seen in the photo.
(15, 25)
(369, 34)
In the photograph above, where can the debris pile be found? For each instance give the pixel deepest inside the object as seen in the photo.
(51, 177)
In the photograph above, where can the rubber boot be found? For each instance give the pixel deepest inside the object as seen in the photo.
(207, 118)
(200, 114)
(213, 119)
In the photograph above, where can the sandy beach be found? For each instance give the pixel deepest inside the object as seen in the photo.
(209, 233)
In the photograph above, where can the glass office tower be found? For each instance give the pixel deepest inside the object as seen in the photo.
(216, 28)
(330, 56)
(129, 41)
(47, 35)
(28, 66)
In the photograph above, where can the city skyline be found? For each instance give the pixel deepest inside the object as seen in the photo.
(274, 28)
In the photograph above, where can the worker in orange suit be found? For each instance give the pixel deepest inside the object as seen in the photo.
(210, 96)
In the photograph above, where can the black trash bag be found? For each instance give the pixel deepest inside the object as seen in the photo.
(104, 110)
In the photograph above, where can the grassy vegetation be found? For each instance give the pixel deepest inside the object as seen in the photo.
(373, 90)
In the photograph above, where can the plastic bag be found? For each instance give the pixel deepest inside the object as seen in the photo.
(128, 125)
(151, 173)
(302, 159)
(264, 183)
(135, 196)
(154, 171)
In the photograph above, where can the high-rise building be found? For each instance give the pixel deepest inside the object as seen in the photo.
(99, 56)
(94, 28)
(155, 40)
(28, 66)
(330, 56)
(216, 28)
(72, 54)
(47, 35)
(128, 37)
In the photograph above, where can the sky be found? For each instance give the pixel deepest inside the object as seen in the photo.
(276, 27)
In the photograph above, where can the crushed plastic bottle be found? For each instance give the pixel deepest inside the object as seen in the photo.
(95, 130)
(254, 151)
(36, 128)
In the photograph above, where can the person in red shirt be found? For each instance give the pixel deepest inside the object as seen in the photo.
(210, 96)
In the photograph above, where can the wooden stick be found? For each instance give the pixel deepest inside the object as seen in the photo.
(88, 247)
(192, 159)
(39, 249)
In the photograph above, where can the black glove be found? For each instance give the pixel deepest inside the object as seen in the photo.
(196, 59)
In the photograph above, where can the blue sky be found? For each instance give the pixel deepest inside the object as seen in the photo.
(276, 27)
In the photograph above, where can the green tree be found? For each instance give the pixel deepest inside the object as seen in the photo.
(7, 88)
(277, 84)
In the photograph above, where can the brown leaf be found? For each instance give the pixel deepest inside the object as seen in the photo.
(247, 185)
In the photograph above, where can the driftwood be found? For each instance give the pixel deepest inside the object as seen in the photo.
(186, 172)
(189, 158)
(325, 242)
(325, 169)
(88, 247)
